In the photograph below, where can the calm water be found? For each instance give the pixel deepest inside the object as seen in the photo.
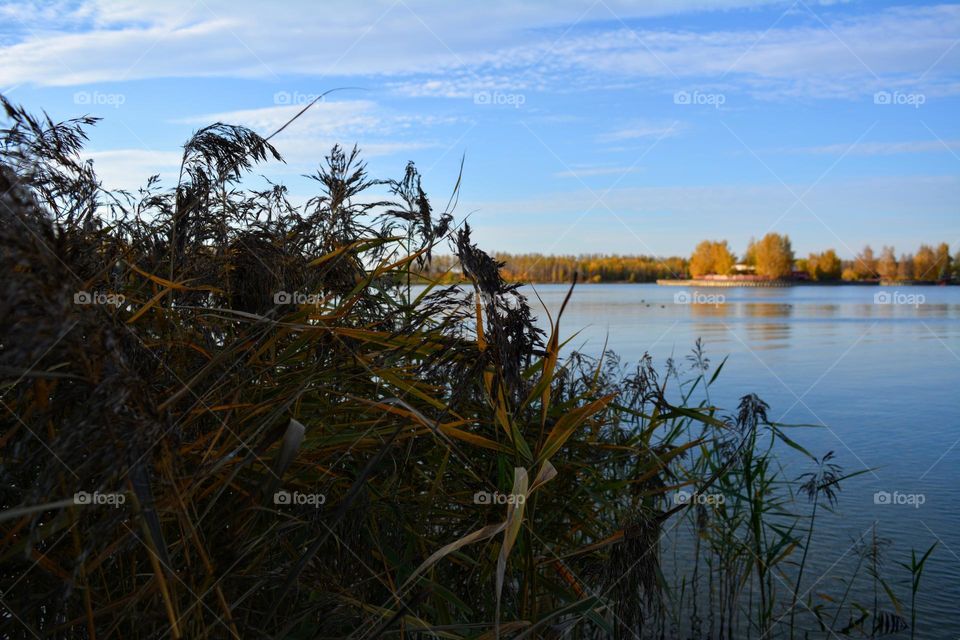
(883, 380)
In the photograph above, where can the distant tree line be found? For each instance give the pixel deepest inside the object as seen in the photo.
(772, 256)
(928, 264)
(535, 267)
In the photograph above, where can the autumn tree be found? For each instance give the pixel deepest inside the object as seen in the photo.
(944, 268)
(829, 265)
(774, 256)
(824, 266)
(711, 258)
(723, 258)
(925, 263)
(905, 269)
(750, 257)
(865, 265)
(887, 264)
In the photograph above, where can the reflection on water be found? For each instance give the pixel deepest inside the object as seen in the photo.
(769, 334)
(771, 331)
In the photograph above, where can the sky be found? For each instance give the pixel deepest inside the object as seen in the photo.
(602, 126)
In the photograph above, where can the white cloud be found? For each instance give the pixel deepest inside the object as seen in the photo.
(435, 48)
(130, 168)
(375, 131)
(323, 118)
(845, 58)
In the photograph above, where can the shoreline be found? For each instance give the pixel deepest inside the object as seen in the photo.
(733, 283)
(794, 283)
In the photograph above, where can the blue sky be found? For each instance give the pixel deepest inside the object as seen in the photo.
(606, 126)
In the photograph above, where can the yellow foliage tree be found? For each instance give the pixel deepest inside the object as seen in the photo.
(925, 266)
(774, 256)
(711, 258)
(824, 266)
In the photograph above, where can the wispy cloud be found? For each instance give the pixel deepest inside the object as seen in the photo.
(327, 118)
(583, 172)
(885, 148)
(642, 131)
(377, 131)
(434, 49)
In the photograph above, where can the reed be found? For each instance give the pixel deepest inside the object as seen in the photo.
(294, 442)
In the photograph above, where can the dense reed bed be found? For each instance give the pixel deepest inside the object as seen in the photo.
(227, 416)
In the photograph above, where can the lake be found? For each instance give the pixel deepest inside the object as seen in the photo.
(880, 377)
